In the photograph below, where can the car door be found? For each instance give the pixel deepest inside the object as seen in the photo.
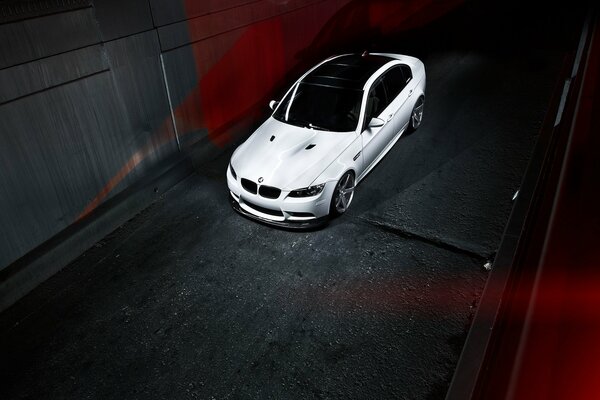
(398, 84)
(374, 139)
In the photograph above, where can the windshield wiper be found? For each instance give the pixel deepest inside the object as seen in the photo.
(320, 128)
(298, 122)
(305, 124)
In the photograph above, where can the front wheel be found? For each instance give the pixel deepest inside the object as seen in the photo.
(416, 116)
(343, 194)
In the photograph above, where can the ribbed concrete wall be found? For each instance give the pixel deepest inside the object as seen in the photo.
(81, 92)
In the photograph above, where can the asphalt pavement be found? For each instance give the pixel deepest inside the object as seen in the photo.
(191, 300)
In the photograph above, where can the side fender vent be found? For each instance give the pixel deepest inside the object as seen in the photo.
(310, 146)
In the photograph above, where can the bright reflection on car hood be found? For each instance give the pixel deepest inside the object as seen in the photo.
(284, 162)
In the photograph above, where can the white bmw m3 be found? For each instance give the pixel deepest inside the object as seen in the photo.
(332, 127)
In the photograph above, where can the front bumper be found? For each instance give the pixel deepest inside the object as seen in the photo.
(287, 212)
(306, 224)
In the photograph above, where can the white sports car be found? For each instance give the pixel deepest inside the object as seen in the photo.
(331, 128)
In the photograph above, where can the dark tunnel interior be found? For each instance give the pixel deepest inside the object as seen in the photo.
(125, 272)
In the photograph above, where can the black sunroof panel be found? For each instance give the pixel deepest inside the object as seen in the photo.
(350, 71)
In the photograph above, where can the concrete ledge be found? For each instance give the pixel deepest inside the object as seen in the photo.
(25, 274)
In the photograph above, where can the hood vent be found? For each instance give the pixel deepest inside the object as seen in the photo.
(272, 138)
(310, 146)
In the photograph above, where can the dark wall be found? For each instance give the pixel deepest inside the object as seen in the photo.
(96, 95)
(81, 93)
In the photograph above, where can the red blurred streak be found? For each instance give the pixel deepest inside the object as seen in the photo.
(559, 356)
(422, 293)
(412, 293)
(164, 134)
(258, 59)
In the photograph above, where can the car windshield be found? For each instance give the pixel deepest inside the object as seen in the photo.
(320, 107)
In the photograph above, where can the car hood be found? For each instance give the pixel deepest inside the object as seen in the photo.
(285, 162)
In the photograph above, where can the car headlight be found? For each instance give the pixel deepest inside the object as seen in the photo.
(232, 171)
(307, 192)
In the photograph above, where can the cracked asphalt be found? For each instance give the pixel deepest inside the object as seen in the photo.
(191, 300)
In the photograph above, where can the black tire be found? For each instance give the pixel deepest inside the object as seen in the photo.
(342, 195)
(416, 115)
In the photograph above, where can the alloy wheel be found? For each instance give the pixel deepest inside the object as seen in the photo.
(416, 116)
(344, 192)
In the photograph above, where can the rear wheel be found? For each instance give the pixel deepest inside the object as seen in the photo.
(343, 194)
(416, 116)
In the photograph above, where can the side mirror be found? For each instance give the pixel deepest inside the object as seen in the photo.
(376, 122)
(273, 104)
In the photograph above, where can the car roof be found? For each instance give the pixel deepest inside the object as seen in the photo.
(348, 71)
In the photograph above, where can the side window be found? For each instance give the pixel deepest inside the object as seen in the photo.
(394, 81)
(407, 72)
(377, 100)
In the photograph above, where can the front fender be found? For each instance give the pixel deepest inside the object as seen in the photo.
(350, 159)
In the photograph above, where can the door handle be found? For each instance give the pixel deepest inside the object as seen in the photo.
(389, 118)
(410, 93)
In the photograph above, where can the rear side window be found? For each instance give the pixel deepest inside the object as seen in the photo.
(407, 72)
(396, 79)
